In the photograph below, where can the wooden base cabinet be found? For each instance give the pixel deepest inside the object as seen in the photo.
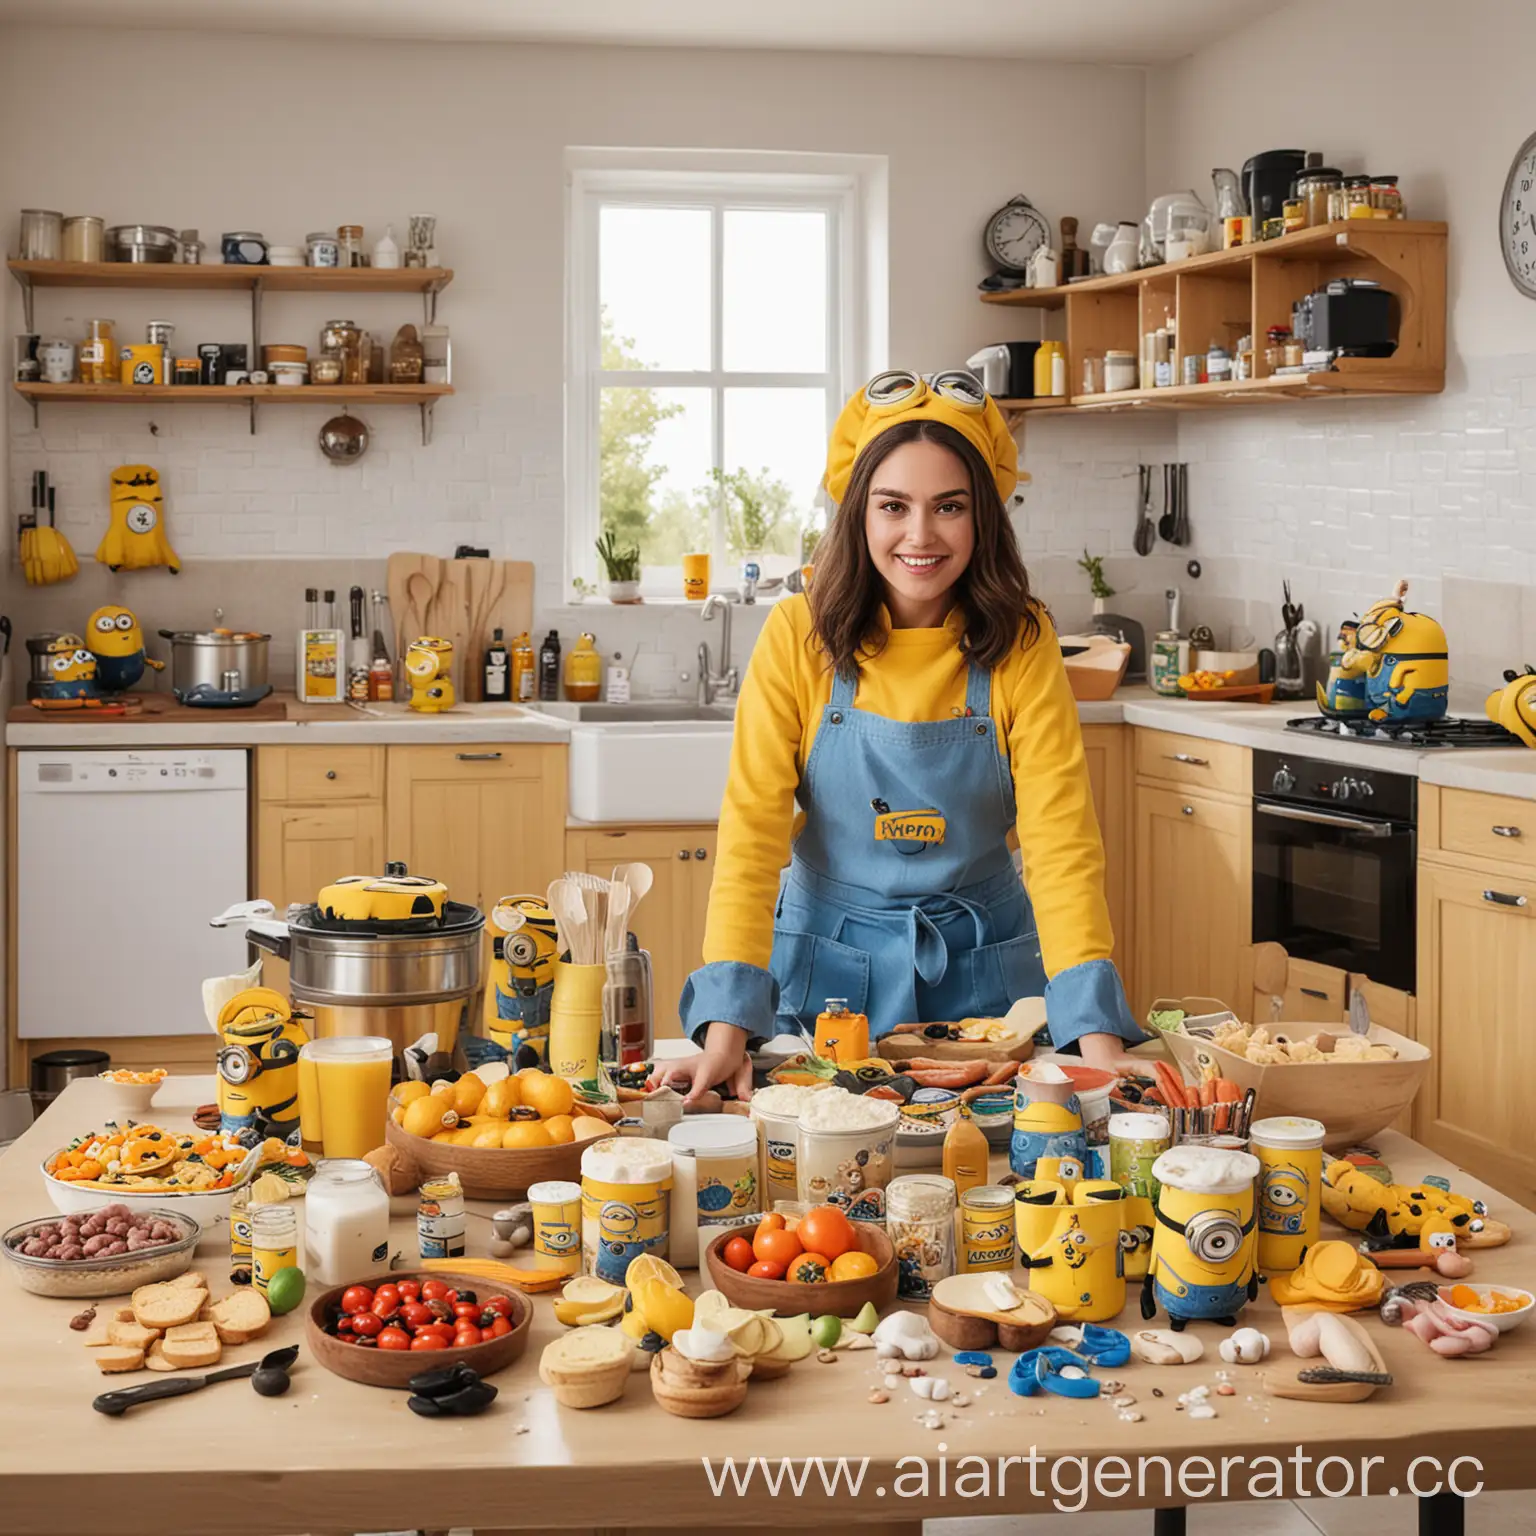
(670, 924)
(1109, 758)
(1477, 982)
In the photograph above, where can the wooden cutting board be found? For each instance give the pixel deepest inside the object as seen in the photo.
(464, 601)
(154, 709)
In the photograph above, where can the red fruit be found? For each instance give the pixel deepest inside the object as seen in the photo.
(389, 1293)
(428, 1341)
(410, 1290)
(394, 1338)
(435, 1290)
(415, 1313)
(738, 1254)
(356, 1298)
(776, 1247)
(469, 1309)
(385, 1306)
(765, 1271)
(499, 1329)
(824, 1229)
(367, 1325)
(464, 1337)
(344, 1325)
(502, 1304)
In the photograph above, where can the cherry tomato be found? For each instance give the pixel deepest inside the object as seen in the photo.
(415, 1313)
(410, 1290)
(501, 1304)
(469, 1309)
(384, 1306)
(738, 1254)
(773, 1247)
(499, 1329)
(389, 1293)
(344, 1324)
(356, 1298)
(434, 1290)
(428, 1341)
(762, 1270)
(394, 1338)
(464, 1337)
(367, 1324)
(436, 1331)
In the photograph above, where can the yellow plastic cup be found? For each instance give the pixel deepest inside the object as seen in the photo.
(556, 1225)
(348, 1103)
(1290, 1195)
(696, 577)
(576, 1019)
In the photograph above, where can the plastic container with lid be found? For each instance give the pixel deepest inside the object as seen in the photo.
(1290, 1153)
(714, 1182)
(626, 1203)
(346, 1222)
(776, 1109)
(920, 1221)
(845, 1152)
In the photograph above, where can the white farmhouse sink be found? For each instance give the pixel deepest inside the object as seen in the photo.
(648, 770)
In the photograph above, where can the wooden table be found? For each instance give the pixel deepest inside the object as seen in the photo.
(334, 1457)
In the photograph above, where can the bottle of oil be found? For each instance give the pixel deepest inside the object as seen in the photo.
(549, 668)
(584, 671)
(965, 1153)
(496, 686)
(524, 673)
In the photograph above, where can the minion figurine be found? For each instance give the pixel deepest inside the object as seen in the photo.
(1514, 705)
(1407, 666)
(258, 1066)
(71, 676)
(524, 956)
(429, 668)
(1138, 1221)
(1202, 1265)
(116, 641)
(1345, 693)
(1047, 1120)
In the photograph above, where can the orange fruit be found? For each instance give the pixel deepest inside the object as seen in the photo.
(549, 1095)
(854, 1265)
(775, 1246)
(559, 1128)
(522, 1134)
(824, 1229)
(809, 1269)
(501, 1098)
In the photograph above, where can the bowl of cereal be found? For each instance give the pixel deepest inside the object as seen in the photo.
(130, 1091)
(105, 1252)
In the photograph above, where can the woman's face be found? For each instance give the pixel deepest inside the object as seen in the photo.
(921, 531)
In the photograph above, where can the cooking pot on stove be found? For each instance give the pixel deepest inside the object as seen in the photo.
(377, 955)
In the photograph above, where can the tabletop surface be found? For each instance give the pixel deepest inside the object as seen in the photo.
(332, 1455)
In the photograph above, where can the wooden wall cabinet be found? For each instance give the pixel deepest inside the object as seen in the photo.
(670, 924)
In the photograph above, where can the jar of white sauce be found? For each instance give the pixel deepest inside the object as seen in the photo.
(346, 1222)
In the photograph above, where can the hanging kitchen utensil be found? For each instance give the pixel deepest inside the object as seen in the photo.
(1183, 504)
(344, 439)
(1165, 524)
(1146, 534)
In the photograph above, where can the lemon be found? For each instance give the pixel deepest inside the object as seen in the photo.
(559, 1128)
(502, 1098)
(397, 1114)
(646, 1266)
(425, 1117)
(268, 1189)
(408, 1093)
(486, 1136)
(467, 1094)
(549, 1095)
(666, 1309)
(522, 1134)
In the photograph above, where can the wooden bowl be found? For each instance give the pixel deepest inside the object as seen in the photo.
(846, 1298)
(965, 1319)
(489, 1173)
(394, 1368)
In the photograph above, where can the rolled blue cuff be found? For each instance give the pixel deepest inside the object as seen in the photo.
(729, 992)
(1089, 999)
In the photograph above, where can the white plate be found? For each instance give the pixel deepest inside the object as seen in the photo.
(205, 1208)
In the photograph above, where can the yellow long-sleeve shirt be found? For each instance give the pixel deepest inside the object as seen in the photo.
(919, 675)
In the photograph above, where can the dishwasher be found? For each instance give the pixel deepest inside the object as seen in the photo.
(121, 859)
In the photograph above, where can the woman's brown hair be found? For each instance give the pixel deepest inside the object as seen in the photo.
(992, 594)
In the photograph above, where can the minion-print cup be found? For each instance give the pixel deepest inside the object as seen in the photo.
(1047, 1118)
(696, 576)
(1136, 1141)
(1290, 1154)
(556, 1224)
(1203, 1249)
(1078, 1267)
(626, 1203)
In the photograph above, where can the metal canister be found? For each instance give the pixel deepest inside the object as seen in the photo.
(210, 359)
(141, 363)
(440, 1219)
(188, 370)
(1164, 670)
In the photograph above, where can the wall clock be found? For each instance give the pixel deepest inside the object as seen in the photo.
(1015, 232)
(1517, 220)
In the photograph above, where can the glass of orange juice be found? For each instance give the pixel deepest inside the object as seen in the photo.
(348, 1100)
(696, 577)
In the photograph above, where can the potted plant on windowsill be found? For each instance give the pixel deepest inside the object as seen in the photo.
(622, 567)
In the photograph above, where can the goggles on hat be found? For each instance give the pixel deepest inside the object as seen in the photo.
(898, 388)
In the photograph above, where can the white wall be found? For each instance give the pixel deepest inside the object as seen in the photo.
(1342, 497)
(476, 134)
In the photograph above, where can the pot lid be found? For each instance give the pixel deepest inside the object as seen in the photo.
(388, 905)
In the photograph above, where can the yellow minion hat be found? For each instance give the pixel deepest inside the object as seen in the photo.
(953, 397)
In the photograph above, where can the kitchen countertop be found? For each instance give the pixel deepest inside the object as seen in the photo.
(1499, 771)
(332, 1455)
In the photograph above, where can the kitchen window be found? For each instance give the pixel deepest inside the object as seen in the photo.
(711, 337)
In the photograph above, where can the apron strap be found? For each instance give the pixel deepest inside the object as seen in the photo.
(842, 691)
(978, 691)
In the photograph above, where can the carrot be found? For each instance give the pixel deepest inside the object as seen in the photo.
(1207, 1094)
(1170, 1086)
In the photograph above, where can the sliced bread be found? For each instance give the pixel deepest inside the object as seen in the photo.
(241, 1316)
(167, 1306)
(131, 1335)
(114, 1357)
(191, 1345)
(154, 1358)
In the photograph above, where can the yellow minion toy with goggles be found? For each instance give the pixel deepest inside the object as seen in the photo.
(1407, 667)
(258, 1066)
(524, 954)
(953, 398)
(1202, 1266)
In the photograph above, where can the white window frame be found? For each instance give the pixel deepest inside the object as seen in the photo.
(840, 187)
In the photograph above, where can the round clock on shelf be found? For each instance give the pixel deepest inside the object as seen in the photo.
(1013, 234)
(1517, 220)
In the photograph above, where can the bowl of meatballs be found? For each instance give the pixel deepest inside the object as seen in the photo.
(106, 1252)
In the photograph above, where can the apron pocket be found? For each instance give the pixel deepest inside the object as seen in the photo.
(1003, 973)
(810, 969)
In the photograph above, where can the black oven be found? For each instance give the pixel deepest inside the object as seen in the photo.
(1334, 865)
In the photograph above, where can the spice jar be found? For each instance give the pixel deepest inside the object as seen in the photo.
(920, 1222)
(188, 370)
(1274, 353)
(349, 242)
(1293, 211)
(1386, 200)
(323, 249)
(1357, 198)
(84, 237)
(986, 1230)
(98, 353)
(189, 248)
(1242, 362)
(405, 357)
(1218, 365)
(1120, 371)
(436, 355)
(1315, 187)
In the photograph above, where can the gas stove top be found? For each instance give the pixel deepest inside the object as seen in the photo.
(1419, 735)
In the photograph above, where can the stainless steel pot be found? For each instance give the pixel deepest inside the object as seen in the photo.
(202, 657)
(141, 243)
(54, 1071)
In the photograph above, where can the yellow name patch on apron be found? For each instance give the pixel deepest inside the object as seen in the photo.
(909, 827)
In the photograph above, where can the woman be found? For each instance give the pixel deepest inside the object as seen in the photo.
(914, 701)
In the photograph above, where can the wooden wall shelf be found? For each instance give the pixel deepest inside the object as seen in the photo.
(217, 394)
(231, 279)
(1224, 295)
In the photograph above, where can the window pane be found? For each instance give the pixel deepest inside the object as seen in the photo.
(775, 291)
(654, 287)
(654, 470)
(775, 452)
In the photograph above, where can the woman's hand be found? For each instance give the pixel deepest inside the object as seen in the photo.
(723, 1060)
(1107, 1052)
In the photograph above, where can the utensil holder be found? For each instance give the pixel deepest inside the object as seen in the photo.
(576, 1019)
(628, 1028)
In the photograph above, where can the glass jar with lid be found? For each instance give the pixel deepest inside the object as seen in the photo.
(1120, 370)
(920, 1222)
(323, 249)
(349, 240)
(1386, 200)
(1314, 187)
(1274, 353)
(98, 353)
(83, 238)
(1357, 198)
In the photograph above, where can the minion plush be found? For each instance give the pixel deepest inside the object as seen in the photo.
(524, 956)
(1047, 1120)
(258, 1066)
(429, 669)
(1138, 1220)
(71, 676)
(116, 641)
(135, 538)
(1407, 667)
(1514, 705)
(1345, 692)
(1202, 1265)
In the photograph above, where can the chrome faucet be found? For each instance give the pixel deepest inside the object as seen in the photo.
(727, 679)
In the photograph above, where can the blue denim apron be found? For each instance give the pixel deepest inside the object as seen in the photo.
(901, 896)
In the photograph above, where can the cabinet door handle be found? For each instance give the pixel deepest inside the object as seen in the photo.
(1185, 757)
(701, 854)
(1313, 992)
(683, 854)
(1506, 832)
(330, 773)
(1187, 810)
(478, 757)
(1504, 899)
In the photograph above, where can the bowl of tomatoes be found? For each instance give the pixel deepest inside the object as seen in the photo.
(819, 1262)
(383, 1331)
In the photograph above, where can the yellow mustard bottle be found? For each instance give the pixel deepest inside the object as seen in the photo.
(584, 671)
(524, 674)
(965, 1153)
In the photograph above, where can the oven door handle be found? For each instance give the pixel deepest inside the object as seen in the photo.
(1359, 824)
